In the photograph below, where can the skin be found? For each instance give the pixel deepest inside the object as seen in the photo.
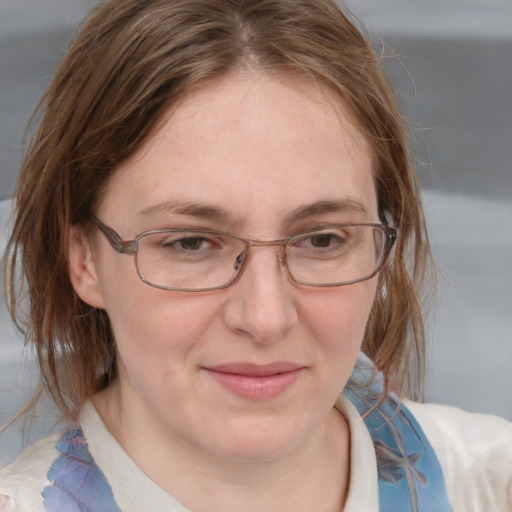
(253, 149)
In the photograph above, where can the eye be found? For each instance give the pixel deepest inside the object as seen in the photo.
(320, 241)
(190, 243)
(325, 244)
(324, 240)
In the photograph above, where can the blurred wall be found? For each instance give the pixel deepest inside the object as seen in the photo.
(451, 61)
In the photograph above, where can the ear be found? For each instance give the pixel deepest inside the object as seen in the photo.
(82, 268)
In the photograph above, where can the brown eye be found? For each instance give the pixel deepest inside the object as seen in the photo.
(191, 243)
(323, 240)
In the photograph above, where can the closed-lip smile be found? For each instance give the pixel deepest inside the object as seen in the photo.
(256, 381)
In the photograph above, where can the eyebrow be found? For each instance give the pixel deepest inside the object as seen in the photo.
(218, 214)
(325, 206)
(204, 211)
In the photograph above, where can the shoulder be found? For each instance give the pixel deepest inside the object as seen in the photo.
(23, 481)
(475, 452)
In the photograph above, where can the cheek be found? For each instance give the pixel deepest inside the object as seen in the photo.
(155, 322)
(151, 324)
(338, 319)
(340, 315)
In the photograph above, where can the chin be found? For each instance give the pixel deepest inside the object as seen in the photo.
(259, 441)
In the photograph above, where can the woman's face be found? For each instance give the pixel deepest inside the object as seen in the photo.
(258, 157)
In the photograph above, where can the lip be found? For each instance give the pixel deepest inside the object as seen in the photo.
(256, 382)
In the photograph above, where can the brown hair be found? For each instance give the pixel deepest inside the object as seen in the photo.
(133, 60)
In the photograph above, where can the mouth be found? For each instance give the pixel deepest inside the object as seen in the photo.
(256, 382)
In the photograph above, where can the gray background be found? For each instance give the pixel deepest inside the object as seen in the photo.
(452, 63)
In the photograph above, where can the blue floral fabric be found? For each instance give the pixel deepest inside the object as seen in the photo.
(410, 476)
(77, 483)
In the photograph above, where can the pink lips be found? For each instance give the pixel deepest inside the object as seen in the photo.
(256, 382)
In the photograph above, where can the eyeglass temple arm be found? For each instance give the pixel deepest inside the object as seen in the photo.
(119, 245)
(392, 234)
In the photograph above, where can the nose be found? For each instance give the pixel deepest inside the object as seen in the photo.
(261, 305)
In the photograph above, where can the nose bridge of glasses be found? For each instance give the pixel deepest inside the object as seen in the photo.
(281, 244)
(243, 258)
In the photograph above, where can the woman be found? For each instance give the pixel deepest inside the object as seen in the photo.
(216, 216)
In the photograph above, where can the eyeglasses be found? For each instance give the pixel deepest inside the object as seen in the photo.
(203, 260)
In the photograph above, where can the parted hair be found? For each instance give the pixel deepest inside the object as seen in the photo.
(133, 61)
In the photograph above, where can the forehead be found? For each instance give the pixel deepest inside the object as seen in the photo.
(248, 144)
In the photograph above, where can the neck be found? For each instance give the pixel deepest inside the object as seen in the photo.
(312, 476)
